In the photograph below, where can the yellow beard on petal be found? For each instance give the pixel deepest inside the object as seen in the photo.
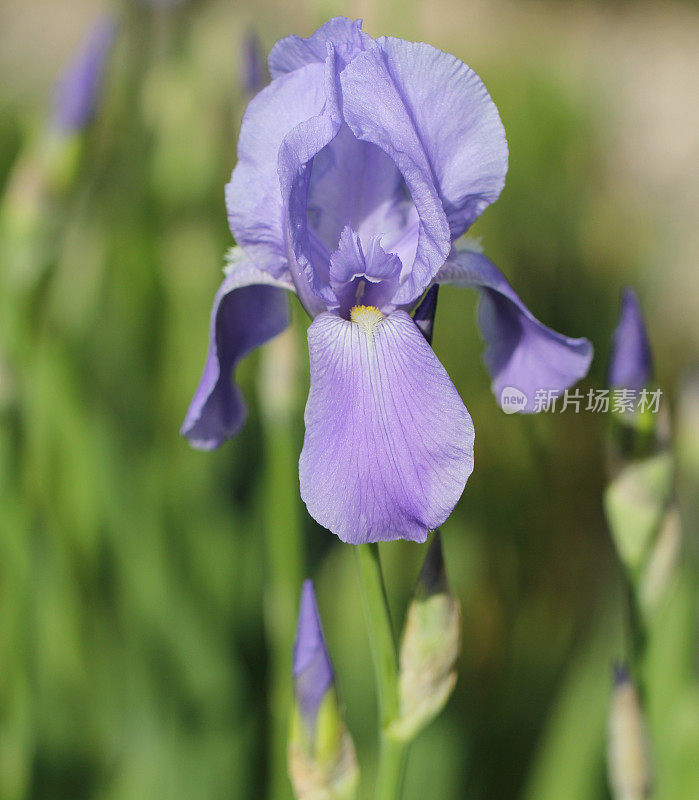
(367, 317)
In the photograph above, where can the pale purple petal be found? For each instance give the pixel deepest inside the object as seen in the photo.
(77, 90)
(313, 672)
(355, 183)
(308, 257)
(457, 124)
(389, 443)
(249, 309)
(521, 353)
(376, 111)
(293, 52)
(630, 364)
(253, 197)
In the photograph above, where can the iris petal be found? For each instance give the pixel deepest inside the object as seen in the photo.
(293, 52)
(389, 443)
(253, 197)
(376, 111)
(355, 183)
(250, 308)
(457, 124)
(521, 352)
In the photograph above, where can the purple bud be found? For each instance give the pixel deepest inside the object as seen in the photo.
(313, 673)
(620, 673)
(424, 314)
(630, 363)
(252, 67)
(77, 89)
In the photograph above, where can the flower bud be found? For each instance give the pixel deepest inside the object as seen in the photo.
(322, 762)
(628, 755)
(637, 424)
(252, 64)
(630, 364)
(429, 647)
(77, 90)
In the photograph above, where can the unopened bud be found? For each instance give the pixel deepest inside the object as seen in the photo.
(322, 761)
(253, 67)
(628, 754)
(77, 91)
(630, 364)
(429, 648)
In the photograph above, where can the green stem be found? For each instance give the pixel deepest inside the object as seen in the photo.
(383, 650)
(284, 544)
(392, 758)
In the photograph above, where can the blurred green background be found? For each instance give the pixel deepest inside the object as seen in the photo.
(133, 569)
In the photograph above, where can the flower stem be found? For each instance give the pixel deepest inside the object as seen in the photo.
(284, 559)
(383, 649)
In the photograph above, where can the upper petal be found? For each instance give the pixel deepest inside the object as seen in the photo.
(249, 309)
(458, 125)
(293, 52)
(377, 111)
(521, 352)
(308, 257)
(389, 443)
(356, 183)
(253, 197)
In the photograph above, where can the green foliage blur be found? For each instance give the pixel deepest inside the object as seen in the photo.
(134, 571)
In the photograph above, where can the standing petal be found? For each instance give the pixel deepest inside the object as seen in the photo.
(377, 112)
(355, 183)
(253, 197)
(308, 257)
(435, 118)
(249, 309)
(293, 52)
(389, 443)
(521, 352)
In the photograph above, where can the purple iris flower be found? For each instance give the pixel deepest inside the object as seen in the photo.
(77, 90)
(630, 364)
(359, 167)
(313, 672)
